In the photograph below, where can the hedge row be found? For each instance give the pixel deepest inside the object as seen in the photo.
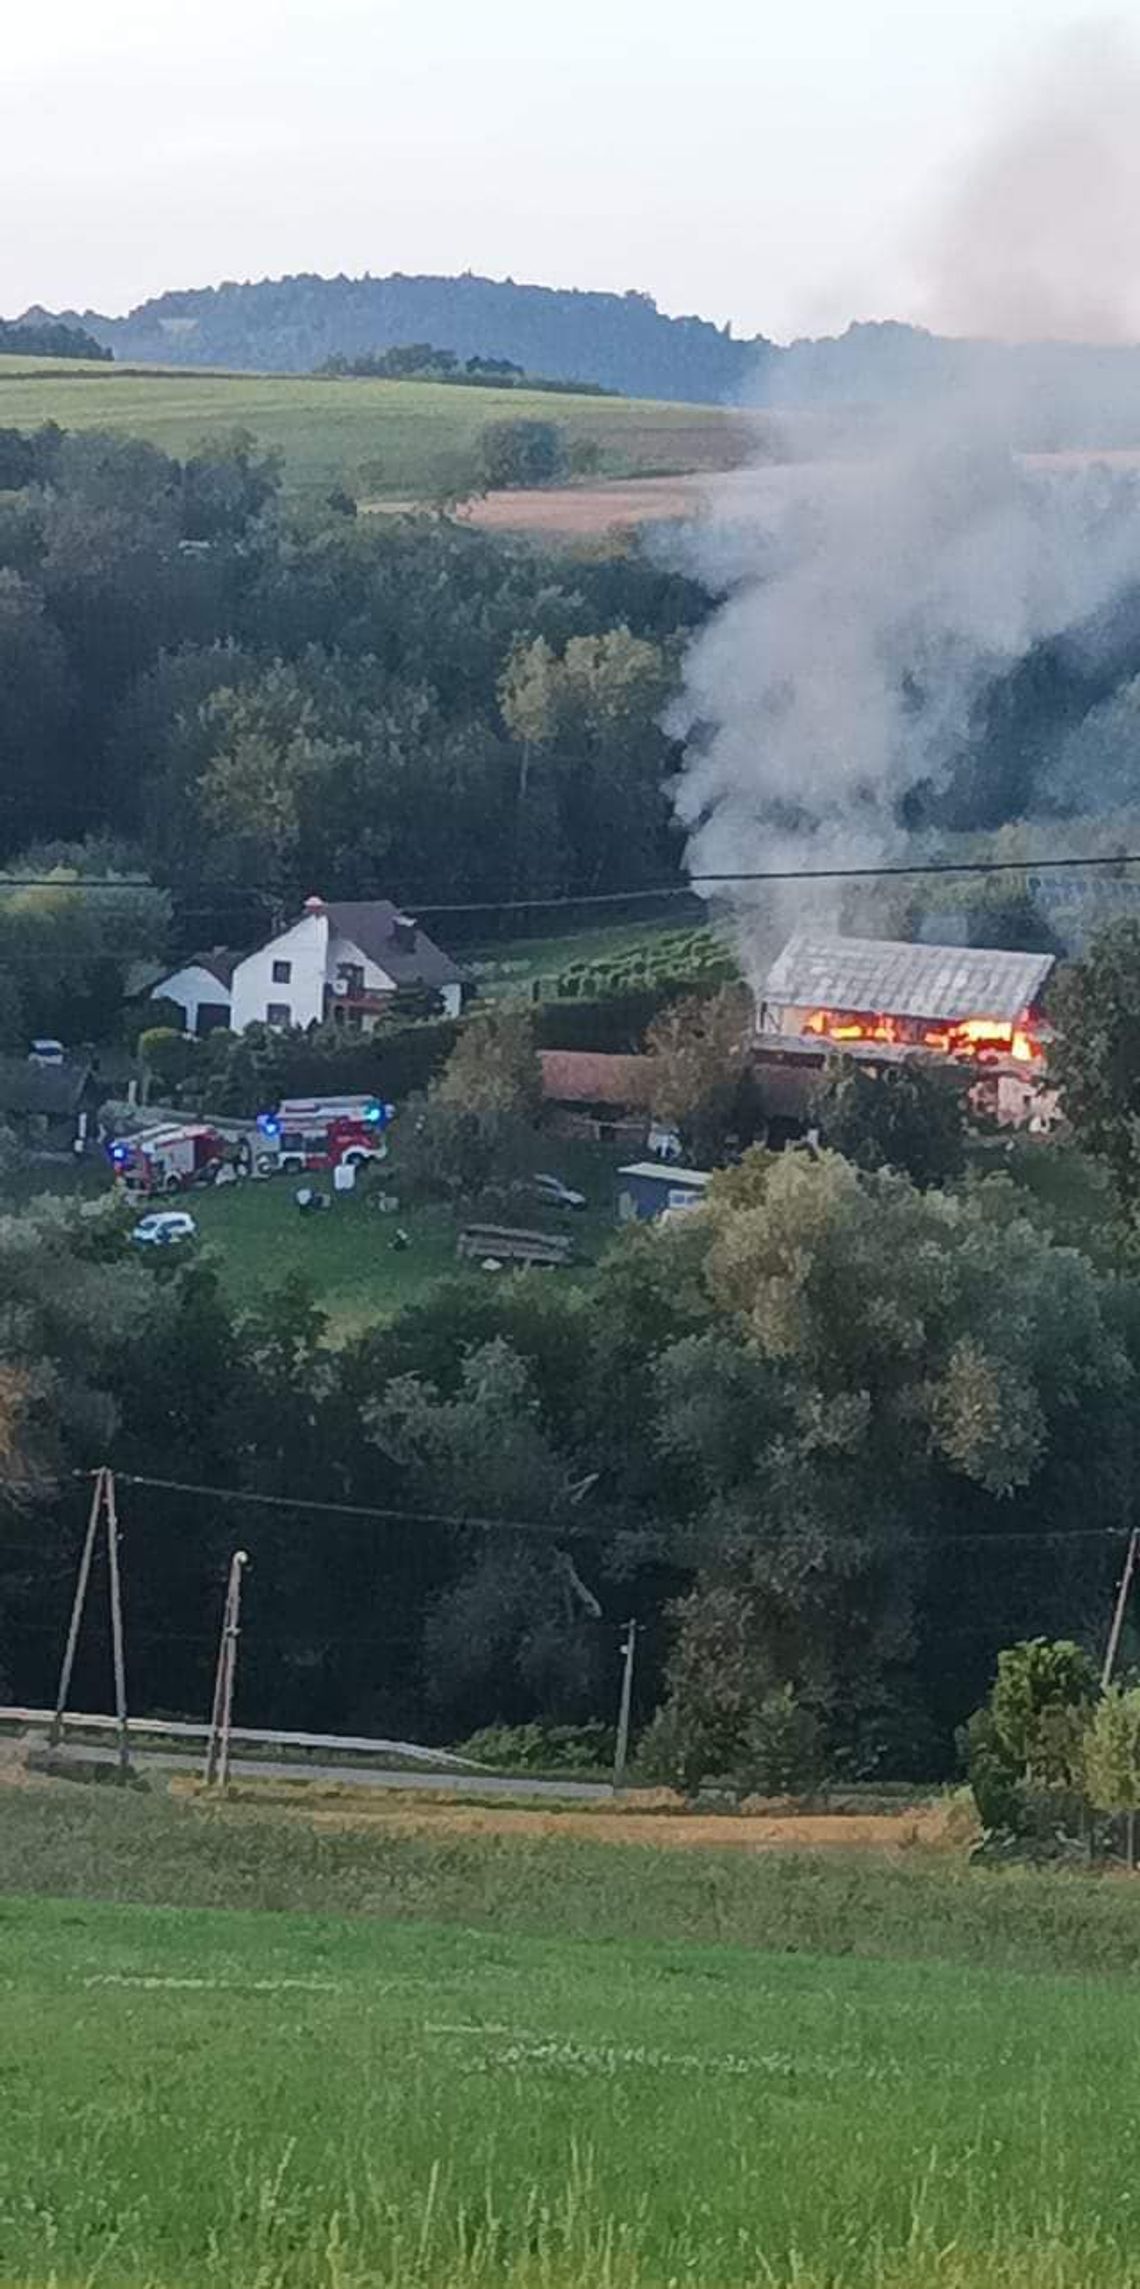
(617, 1022)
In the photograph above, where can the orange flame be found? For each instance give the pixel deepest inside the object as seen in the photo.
(971, 1037)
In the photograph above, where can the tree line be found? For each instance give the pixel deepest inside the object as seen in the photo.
(421, 361)
(37, 336)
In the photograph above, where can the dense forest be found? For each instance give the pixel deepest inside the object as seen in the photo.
(204, 691)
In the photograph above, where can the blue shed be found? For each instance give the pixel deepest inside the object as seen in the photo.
(647, 1188)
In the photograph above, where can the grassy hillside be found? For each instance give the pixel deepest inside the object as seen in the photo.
(411, 438)
(202, 2099)
(550, 2066)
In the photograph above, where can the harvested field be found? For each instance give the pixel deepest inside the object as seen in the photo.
(585, 512)
(581, 511)
(589, 511)
(661, 1826)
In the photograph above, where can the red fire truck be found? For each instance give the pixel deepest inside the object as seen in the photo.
(170, 1158)
(310, 1133)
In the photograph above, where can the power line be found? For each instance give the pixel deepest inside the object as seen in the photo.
(979, 866)
(395, 1514)
(683, 889)
(357, 1510)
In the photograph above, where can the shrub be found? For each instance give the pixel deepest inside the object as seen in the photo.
(991, 1773)
(541, 1748)
(675, 1750)
(1025, 1750)
(169, 1055)
(519, 453)
(782, 1750)
(616, 1022)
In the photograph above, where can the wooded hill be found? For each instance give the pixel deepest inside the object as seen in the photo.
(294, 325)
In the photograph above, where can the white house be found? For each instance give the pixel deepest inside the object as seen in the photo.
(342, 961)
(202, 990)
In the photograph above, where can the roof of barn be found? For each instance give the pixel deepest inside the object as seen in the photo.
(589, 1077)
(891, 978)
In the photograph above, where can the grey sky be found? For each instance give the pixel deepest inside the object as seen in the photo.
(769, 164)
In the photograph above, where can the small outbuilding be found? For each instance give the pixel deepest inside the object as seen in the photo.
(592, 1094)
(201, 989)
(50, 1108)
(647, 1190)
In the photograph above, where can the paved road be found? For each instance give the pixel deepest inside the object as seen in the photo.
(354, 1775)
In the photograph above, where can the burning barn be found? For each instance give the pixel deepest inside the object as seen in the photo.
(881, 1000)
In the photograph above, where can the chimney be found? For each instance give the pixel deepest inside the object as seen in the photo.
(404, 933)
(314, 905)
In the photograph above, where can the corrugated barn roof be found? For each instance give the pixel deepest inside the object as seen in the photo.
(894, 979)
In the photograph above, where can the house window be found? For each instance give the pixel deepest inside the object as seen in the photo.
(350, 977)
(282, 973)
(278, 1013)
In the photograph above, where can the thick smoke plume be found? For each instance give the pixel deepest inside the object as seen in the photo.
(874, 601)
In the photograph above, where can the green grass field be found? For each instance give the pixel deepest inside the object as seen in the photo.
(258, 1237)
(413, 438)
(556, 2064)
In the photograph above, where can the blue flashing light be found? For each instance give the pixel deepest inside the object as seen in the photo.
(374, 1112)
(118, 1152)
(269, 1125)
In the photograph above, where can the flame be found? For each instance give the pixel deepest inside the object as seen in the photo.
(976, 1038)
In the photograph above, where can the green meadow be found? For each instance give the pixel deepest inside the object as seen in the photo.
(384, 439)
(549, 2065)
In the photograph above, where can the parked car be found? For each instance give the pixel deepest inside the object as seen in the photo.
(46, 1051)
(166, 1228)
(554, 1194)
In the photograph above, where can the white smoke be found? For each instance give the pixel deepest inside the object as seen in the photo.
(1039, 241)
(872, 601)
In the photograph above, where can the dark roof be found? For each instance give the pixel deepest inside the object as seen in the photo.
(49, 1089)
(219, 964)
(899, 980)
(369, 924)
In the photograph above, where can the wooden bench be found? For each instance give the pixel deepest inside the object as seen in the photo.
(506, 1244)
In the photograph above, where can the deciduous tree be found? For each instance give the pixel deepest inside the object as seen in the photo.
(1111, 1758)
(910, 1116)
(699, 1056)
(1096, 1056)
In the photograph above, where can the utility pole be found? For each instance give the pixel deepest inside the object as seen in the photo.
(1118, 1612)
(110, 1512)
(218, 1748)
(621, 1754)
(103, 1511)
(55, 1730)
